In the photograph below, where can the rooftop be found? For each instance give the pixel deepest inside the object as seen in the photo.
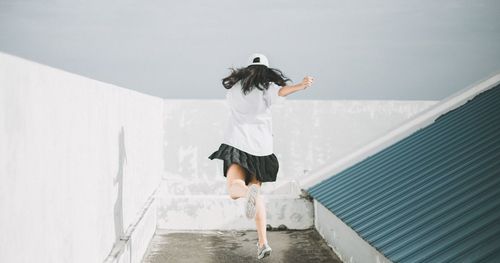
(92, 172)
(238, 246)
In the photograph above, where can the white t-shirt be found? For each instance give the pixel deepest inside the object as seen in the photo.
(249, 127)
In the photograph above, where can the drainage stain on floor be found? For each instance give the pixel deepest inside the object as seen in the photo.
(238, 246)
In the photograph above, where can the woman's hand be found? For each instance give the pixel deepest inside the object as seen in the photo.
(307, 82)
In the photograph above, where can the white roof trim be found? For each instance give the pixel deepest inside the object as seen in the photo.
(416, 123)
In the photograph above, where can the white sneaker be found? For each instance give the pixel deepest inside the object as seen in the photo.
(253, 192)
(263, 251)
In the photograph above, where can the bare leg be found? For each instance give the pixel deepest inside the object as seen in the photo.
(260, 215)
(236, 181)
(237, 188)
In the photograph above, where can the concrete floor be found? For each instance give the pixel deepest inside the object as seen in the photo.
(238, 246)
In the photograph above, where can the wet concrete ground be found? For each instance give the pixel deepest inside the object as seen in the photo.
(238, 246)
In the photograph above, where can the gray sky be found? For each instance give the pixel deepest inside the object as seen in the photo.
(181, 49)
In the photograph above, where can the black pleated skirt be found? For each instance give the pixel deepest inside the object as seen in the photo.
(265, 168)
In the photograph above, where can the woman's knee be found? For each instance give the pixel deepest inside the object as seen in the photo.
(232, 190)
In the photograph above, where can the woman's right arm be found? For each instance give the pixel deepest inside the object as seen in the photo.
(287, 90)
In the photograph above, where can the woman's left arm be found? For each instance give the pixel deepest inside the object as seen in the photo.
(287, 90)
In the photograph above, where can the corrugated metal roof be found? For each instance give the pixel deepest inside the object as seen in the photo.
(433, 196)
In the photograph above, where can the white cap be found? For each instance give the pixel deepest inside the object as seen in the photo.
(258, 59)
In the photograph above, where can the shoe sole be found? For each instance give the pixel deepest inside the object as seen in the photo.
(250, 206)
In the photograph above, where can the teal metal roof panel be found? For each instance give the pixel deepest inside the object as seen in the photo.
(433, 196)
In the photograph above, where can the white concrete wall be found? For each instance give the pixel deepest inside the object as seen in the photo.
(78, 161)
(348, 245)
(308, 134)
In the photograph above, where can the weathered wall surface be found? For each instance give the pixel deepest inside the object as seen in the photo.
(307, 134)
(78, 161)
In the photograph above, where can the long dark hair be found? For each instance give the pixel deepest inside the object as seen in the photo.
(254, 76)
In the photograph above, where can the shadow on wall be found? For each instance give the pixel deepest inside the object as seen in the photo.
(118, 208)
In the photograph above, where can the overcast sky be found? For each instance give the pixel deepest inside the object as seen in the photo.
(424, 50)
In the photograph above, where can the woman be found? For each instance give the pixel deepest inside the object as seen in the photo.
(247, 148)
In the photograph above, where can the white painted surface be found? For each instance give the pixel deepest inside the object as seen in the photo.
(219, 212)
(348, 245)
(134, 243)
(133, 246)
(400, 132)
(307, 134)
(78, 160)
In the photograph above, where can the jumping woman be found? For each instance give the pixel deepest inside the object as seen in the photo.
(247, 148)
